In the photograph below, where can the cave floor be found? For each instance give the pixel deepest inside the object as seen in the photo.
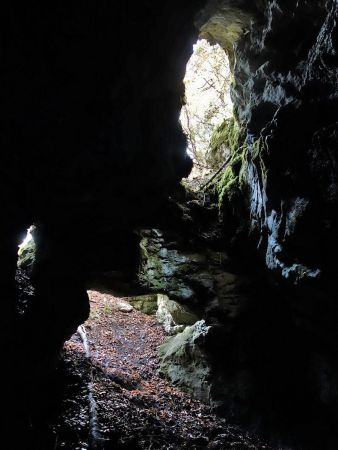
(113, 397)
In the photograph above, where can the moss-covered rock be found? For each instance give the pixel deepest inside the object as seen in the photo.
(227, 143)
(173, 316)
(228, 187)
(184, 362)
(26, 255)
(226, 137)
(144, 303)
(162, 269)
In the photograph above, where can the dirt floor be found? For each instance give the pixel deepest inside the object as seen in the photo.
(113, 396)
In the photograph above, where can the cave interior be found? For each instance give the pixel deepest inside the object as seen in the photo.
(93, 155)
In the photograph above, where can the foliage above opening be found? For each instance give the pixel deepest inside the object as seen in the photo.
(208, 103)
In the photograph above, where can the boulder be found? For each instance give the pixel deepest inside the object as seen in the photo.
(144, 303)
(183, 361)
(124, 307)
(174, 316)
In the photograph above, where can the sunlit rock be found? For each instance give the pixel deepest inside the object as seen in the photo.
(173, 316)
(183, 360)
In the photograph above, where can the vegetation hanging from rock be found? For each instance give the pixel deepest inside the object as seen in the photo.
(26, 255)
(231, 137)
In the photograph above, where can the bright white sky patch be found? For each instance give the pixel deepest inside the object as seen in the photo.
(27, 239)
(208, 103)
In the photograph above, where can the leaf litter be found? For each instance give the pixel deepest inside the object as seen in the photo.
(135, 407)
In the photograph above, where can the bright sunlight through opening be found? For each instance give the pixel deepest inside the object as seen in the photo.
(208, 103)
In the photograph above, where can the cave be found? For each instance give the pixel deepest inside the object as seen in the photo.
(93, 154)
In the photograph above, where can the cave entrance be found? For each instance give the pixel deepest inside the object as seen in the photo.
(27, 238)
(207, 104)
(26, 251)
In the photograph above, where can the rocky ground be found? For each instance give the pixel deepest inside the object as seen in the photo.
(113, 397)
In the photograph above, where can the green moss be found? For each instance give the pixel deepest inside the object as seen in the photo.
(228, 186)
(144, 303)
(230, 135)
(228, 138)
(26, 255)
(154, 262)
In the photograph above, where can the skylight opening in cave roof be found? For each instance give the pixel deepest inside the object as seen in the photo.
(208, 103)
(28, 237)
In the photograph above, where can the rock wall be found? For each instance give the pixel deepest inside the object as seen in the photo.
(285, 97)
(284, 93)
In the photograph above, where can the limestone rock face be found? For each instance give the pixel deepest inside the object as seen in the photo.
(228, 305)
(285, 97)
(184, 362)
(144, 303)
(162, 268)
(233, 299)
(285, 94)
(172, 315)
(183, 270)
(124, 307)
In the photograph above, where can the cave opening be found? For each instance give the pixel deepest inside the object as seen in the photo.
(207, 104)
(242, 272)
(27, 238)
